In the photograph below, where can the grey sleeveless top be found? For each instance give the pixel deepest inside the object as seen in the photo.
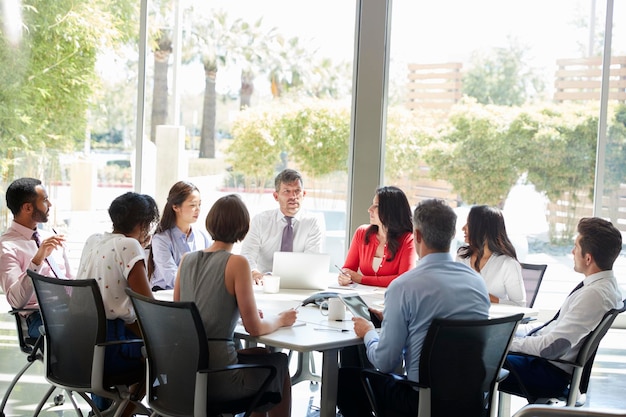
(202, 281)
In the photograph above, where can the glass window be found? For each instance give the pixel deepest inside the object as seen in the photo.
(234, 93)
(498, 104)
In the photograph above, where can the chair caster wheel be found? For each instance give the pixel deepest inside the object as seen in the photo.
(59, 399)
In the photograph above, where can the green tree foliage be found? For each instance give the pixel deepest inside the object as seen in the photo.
(501, 77)
(472, 154)
(257, 144)
(407, 133)
(559, 151)
(48, 73)
(314, 135)
(616, 150)
(317, 137)
(563, 158)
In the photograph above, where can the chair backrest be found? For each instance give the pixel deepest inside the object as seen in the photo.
(587, 352)
(176, 347)
(460, 361)
(532, 275)
(74, 321)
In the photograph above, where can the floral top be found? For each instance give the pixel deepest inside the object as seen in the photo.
(109, 258)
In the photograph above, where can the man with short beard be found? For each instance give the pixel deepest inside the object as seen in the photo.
(24, 247)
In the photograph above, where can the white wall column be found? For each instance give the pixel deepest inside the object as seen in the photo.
(171, 160)
(83, 185)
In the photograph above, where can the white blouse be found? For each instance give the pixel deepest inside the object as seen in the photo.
(503, 277)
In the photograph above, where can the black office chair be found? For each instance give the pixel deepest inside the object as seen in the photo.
(459, 367)
(581, 373)
(32, 347)
(75, 340)
(177, 361)
(532, 275)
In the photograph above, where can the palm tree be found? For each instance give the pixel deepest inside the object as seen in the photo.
(218, 42)
(162, 52)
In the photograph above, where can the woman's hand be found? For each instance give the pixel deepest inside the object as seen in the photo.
(354, 276)
(344, 277)
(287, 317)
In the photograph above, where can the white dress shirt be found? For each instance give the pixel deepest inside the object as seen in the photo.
(265, 235)
(503, 277)
(579, 315)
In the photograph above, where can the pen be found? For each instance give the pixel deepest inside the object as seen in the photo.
(340, 270)
(331, 329)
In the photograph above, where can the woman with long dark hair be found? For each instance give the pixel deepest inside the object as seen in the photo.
(490, 253)
(175, 235)
(383, 249)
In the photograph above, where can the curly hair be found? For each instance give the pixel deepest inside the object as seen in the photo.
(132, 209)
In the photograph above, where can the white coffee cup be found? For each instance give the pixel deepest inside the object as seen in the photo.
(271, 284)
(334, 309)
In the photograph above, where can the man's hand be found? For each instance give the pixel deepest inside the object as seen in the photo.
(362, 326)
(48, 245)
(257, 277)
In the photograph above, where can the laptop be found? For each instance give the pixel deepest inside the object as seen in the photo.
(302, 271)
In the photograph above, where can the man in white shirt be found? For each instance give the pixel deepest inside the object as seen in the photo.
(532, 375)
(269, 229)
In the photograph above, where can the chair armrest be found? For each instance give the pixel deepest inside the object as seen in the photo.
(22, 310)
(239, 366)
(120, 342)
(502, 374)
(398, 378)
(565, 362)
(201, 377)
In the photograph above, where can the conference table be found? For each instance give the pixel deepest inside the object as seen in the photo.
(314, 332)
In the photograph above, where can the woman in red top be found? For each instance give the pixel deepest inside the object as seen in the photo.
(384, 249)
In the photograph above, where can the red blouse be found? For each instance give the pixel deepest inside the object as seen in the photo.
(360, 257)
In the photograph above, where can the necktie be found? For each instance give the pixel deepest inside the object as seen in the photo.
(286, 244)
(50, 262)
(533, 331)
